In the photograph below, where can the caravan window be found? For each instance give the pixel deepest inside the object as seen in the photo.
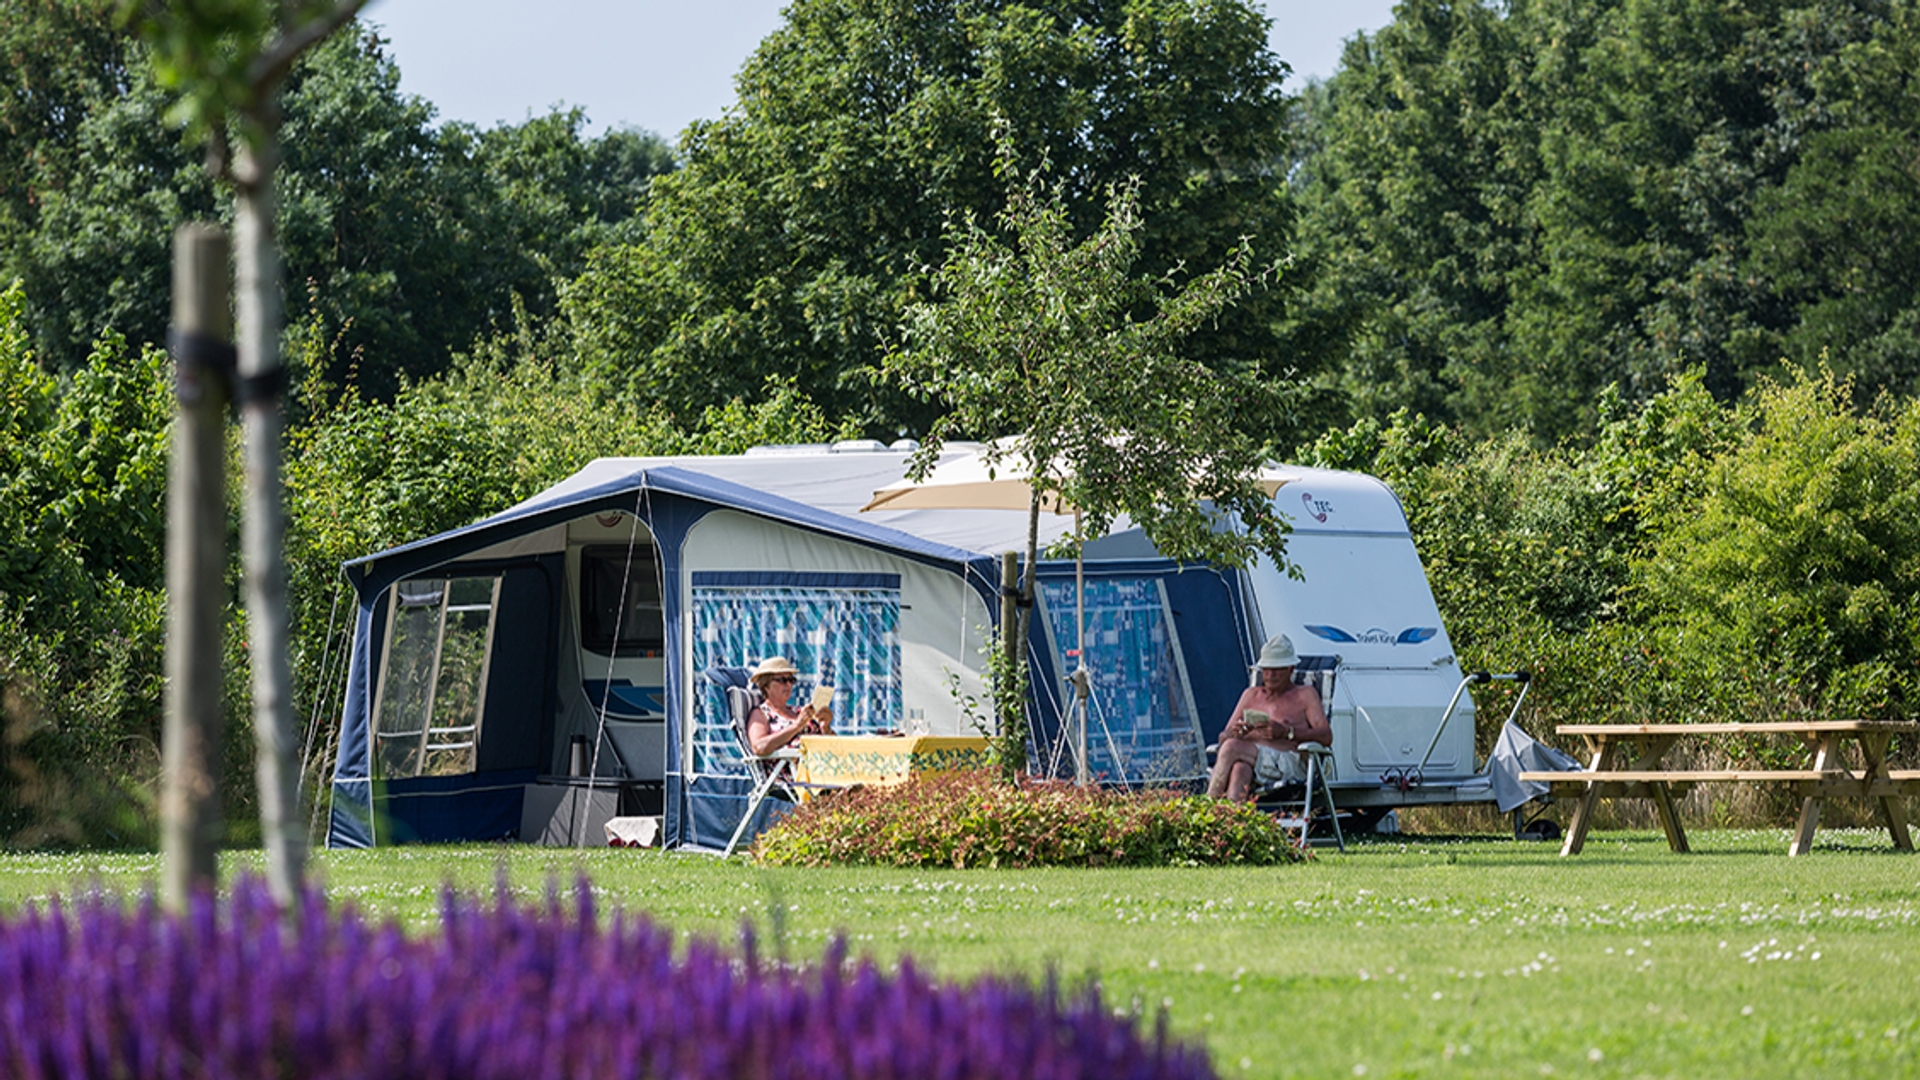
(620, 611)
(433, 676)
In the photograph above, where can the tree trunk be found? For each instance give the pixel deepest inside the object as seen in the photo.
(1023, 624)
(263, 524)
(196, 566)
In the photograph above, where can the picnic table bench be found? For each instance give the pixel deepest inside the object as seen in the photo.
(1625, 764)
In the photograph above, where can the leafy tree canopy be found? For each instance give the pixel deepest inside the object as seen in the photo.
(1838, 241)
(1507, 207)
(788, 243)
(412, 239)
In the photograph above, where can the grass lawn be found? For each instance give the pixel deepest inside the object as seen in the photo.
(1418, 956)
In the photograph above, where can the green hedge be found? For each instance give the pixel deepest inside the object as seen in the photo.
(971, 819)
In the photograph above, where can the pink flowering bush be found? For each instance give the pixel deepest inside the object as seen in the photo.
(239, 989)
(972, 819)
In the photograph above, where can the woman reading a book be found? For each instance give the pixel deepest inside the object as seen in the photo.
(1269, 723)
(775, 722)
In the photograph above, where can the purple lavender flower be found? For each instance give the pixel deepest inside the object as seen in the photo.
(241, 989)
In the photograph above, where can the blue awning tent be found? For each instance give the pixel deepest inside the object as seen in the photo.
(482, 655)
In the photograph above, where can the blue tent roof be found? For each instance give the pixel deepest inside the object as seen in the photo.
(620, 484)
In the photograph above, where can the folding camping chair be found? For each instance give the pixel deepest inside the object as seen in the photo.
(769, 771)
(1320, 673)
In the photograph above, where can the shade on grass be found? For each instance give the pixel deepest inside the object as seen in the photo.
(234, 988)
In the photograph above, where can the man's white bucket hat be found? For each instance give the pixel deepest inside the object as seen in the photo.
(1278, 652)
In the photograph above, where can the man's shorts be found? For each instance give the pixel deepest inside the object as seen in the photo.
(1275, 766)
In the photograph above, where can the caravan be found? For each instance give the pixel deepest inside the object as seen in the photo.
(540, 671)
(1403, 719)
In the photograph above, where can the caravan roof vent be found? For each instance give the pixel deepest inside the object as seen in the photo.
(906, 446)
(858, 446)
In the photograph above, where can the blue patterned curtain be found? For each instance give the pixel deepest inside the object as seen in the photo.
(846, 638)
(1140, 723)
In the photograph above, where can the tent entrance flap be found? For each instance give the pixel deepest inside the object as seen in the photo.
(433, 681)
(840, 630)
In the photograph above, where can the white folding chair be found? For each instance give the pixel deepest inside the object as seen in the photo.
(769, 771)
(1319, 761)
(1319, 672)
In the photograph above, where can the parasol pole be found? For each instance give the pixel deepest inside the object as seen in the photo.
(1081, 773)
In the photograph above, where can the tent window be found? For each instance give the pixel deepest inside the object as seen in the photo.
(433, 680)
(621, 598)
(844, 637)
(1142, 725)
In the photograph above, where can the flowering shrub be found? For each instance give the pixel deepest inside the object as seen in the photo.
(239, 989)
(971, 819)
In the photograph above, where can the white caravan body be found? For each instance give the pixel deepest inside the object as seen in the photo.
(1363, 596)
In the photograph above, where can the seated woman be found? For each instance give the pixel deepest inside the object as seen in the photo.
(774, 723)
(1267, 744)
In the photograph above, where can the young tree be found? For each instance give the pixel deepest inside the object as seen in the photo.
(228, 58)
(1075, 366)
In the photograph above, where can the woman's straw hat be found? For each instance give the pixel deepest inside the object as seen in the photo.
(771, 666)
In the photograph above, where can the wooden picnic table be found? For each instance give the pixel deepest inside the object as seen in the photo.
(1625, 764)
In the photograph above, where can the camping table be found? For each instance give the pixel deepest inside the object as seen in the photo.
(886, 759)
(1626, 758)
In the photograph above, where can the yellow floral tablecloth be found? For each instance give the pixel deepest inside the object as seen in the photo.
(883, 760)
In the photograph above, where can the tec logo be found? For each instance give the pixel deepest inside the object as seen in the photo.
(1317, 509)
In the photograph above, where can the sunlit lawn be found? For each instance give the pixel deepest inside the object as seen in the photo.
(1416, 957)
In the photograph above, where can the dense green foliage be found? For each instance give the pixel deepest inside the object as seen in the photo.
(789, 243)
(411, 238)
(1799, 567)
(962, 820)
(1505, 208)
(82, 491)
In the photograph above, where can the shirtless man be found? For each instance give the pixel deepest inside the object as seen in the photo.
(1293, 714)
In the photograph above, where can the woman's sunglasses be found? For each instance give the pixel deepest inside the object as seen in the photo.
(781, 678)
